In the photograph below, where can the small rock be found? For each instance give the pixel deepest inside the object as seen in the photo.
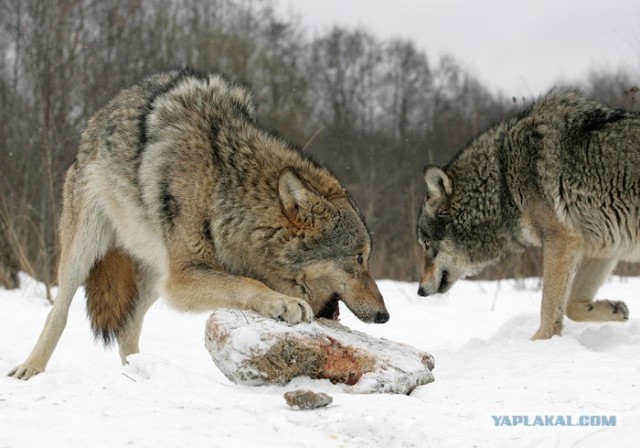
(307, 399)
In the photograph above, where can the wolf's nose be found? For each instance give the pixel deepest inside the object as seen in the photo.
(381, 317)
(422, 292)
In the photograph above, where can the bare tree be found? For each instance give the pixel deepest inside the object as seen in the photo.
(374, 111)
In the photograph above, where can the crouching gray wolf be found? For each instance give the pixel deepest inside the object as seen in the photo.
(565, 175)
(176, 190)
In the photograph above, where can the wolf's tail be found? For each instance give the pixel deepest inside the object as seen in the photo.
(112, 294)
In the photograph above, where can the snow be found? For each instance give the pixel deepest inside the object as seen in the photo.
(172, 395)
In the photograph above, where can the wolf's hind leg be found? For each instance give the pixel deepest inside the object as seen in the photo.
(83, 242)
(591, 274)
(129, 336)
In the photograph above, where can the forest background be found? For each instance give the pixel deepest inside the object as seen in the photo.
(375, 111)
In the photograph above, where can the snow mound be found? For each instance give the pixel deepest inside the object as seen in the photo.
(251, 349)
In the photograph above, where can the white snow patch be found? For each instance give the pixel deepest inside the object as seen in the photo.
(172, 395)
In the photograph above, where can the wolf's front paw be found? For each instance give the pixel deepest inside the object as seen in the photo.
(289, 309)
(25, 371)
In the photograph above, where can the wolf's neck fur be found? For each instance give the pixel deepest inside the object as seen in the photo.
(482, 206)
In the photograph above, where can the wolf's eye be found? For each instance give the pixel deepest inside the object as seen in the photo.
(360, 259)
(429, 250)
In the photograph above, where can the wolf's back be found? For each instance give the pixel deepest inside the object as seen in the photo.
(584, 157)
(124, 171)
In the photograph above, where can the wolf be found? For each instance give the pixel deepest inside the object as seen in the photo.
(563, 175)
(178, 191)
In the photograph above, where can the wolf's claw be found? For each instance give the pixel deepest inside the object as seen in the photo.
(619, 308)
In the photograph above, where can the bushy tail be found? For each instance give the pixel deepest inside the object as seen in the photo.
(111, 294)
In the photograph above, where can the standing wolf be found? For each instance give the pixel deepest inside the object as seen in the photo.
(565, 175)
(176, 190)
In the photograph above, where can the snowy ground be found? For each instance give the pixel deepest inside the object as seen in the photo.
(172, 395)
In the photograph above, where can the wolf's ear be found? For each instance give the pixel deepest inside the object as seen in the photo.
(295, 197)
(439, 185)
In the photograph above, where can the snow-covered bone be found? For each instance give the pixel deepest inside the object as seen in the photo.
(254, 350)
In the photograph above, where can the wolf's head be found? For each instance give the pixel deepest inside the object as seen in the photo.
(461, 230)
(328, 248)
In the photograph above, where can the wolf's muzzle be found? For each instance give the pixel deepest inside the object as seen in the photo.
(442, 287)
